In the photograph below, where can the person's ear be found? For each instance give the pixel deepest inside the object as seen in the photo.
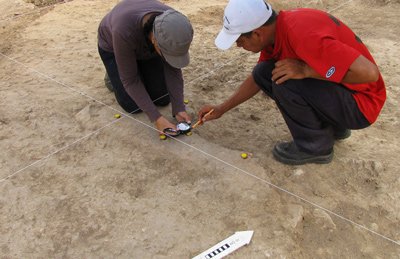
(257, 34)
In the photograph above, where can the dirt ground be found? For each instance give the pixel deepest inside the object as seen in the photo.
(76, 182)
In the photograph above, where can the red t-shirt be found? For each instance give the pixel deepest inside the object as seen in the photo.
(329, 47)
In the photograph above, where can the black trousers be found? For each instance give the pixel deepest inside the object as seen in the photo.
(313, 109)
(151, 73)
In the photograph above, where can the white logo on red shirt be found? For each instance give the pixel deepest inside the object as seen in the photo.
(330, 72)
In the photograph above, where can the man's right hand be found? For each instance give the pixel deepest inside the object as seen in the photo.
(217, 113)
(246, 90)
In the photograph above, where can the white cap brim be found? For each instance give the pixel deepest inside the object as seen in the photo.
(225, 40)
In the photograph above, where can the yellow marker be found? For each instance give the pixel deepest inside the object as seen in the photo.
(208, 113)
(163, 137)
(117, 116)
(244, 155)
(186, 101)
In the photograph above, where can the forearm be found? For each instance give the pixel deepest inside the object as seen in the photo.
(361, 71)
(175, 86)
(246, 90)
(142, 99)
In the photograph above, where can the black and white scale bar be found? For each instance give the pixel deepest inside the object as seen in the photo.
(227, 246)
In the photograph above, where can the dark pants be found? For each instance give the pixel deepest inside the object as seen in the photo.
(151, 73)
(313, 109)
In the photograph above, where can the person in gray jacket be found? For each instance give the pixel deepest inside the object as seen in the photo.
(143, 45)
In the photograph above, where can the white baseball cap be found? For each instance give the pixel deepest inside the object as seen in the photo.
(242, 16)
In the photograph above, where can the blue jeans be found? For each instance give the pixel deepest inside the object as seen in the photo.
(312, 109)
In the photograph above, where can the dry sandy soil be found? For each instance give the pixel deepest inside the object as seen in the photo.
(78, 183)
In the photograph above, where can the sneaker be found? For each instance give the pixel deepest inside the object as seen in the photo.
(338, 135)
(289, 154)
(108, 83)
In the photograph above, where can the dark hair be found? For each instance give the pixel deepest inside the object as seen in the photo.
(148, 28)
(270, 21)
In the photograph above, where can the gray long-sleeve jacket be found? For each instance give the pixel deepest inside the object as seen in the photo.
(120, 32)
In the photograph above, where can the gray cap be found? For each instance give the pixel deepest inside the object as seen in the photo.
(173, 34)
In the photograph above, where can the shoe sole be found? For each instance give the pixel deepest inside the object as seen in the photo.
(316, 160)
(108, 83)
(109, 86)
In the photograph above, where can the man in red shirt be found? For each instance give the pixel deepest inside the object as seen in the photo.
(320, 74)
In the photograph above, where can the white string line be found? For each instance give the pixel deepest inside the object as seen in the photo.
(273, 185)
(58, 82)
(124, 114)
(223, 65)
(334, 9)
(35, 10)
(180, 141)
(55, 152)
(199, 150)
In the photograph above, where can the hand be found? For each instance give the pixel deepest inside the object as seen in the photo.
(217, 113)
(286, 69)
(163, 123)
(183, 116)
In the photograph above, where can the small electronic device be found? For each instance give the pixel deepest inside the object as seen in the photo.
(183, 128)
